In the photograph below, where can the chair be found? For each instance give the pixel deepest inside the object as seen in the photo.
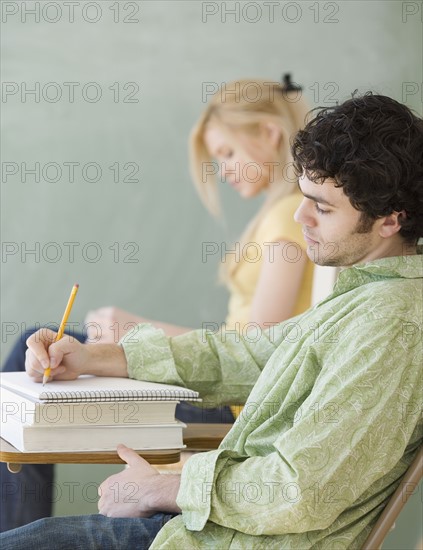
(324, 278)
(386, 521)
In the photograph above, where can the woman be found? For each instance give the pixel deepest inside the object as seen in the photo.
(246, 128)
(269, 279)
(250, 141)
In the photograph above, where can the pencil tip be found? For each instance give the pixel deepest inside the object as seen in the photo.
(77, 285)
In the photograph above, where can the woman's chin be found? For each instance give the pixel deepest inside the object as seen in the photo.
(247, 193)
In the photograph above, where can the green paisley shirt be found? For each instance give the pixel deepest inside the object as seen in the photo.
(331, 423)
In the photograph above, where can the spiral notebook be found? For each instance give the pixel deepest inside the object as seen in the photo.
(94, 389)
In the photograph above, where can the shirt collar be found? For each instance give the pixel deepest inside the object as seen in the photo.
(403, 267)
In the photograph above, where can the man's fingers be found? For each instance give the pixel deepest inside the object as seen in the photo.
(44, 352)
(130, 456)
(59, 349)
(56, 355)
(39, 343)
(33, 366)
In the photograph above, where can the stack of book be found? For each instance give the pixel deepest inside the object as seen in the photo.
(90, 414)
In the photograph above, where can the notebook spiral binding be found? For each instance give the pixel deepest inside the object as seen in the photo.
(128, 395)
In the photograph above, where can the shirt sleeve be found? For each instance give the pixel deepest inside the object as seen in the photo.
(222, 366)
(349, 432)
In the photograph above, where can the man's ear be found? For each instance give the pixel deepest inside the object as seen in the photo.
(391, 224)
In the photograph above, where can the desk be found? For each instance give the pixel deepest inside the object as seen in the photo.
(197, 437)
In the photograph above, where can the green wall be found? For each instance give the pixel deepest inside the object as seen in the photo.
(139, 72)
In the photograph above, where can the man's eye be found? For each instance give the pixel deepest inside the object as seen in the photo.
(319, 210)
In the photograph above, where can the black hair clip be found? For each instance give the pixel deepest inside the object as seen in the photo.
(288, 85)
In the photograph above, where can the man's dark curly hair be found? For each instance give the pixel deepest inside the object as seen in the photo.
(373, 147)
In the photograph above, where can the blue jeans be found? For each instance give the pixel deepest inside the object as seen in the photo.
(27, 496)
(85, 533)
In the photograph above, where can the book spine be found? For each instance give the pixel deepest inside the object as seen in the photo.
(16, 405)
(126, 413)
(106, 438)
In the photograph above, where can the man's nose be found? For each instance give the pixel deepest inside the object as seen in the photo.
(304, 213)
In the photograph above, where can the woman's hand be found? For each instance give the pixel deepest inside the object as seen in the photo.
(107, 325)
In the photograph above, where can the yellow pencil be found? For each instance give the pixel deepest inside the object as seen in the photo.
(65, 318)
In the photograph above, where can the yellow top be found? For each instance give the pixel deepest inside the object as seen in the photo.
(278, 225)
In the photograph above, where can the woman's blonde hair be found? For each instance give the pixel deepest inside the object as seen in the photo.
(244, 106)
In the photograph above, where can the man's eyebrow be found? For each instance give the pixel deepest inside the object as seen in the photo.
(316, 198)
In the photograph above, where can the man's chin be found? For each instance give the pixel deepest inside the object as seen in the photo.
(320, 256)
(313, 253)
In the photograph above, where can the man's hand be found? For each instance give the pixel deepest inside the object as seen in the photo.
(107, 325)
(68, 358)
(138, 491)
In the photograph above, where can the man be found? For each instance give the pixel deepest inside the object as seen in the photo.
(333, 396)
